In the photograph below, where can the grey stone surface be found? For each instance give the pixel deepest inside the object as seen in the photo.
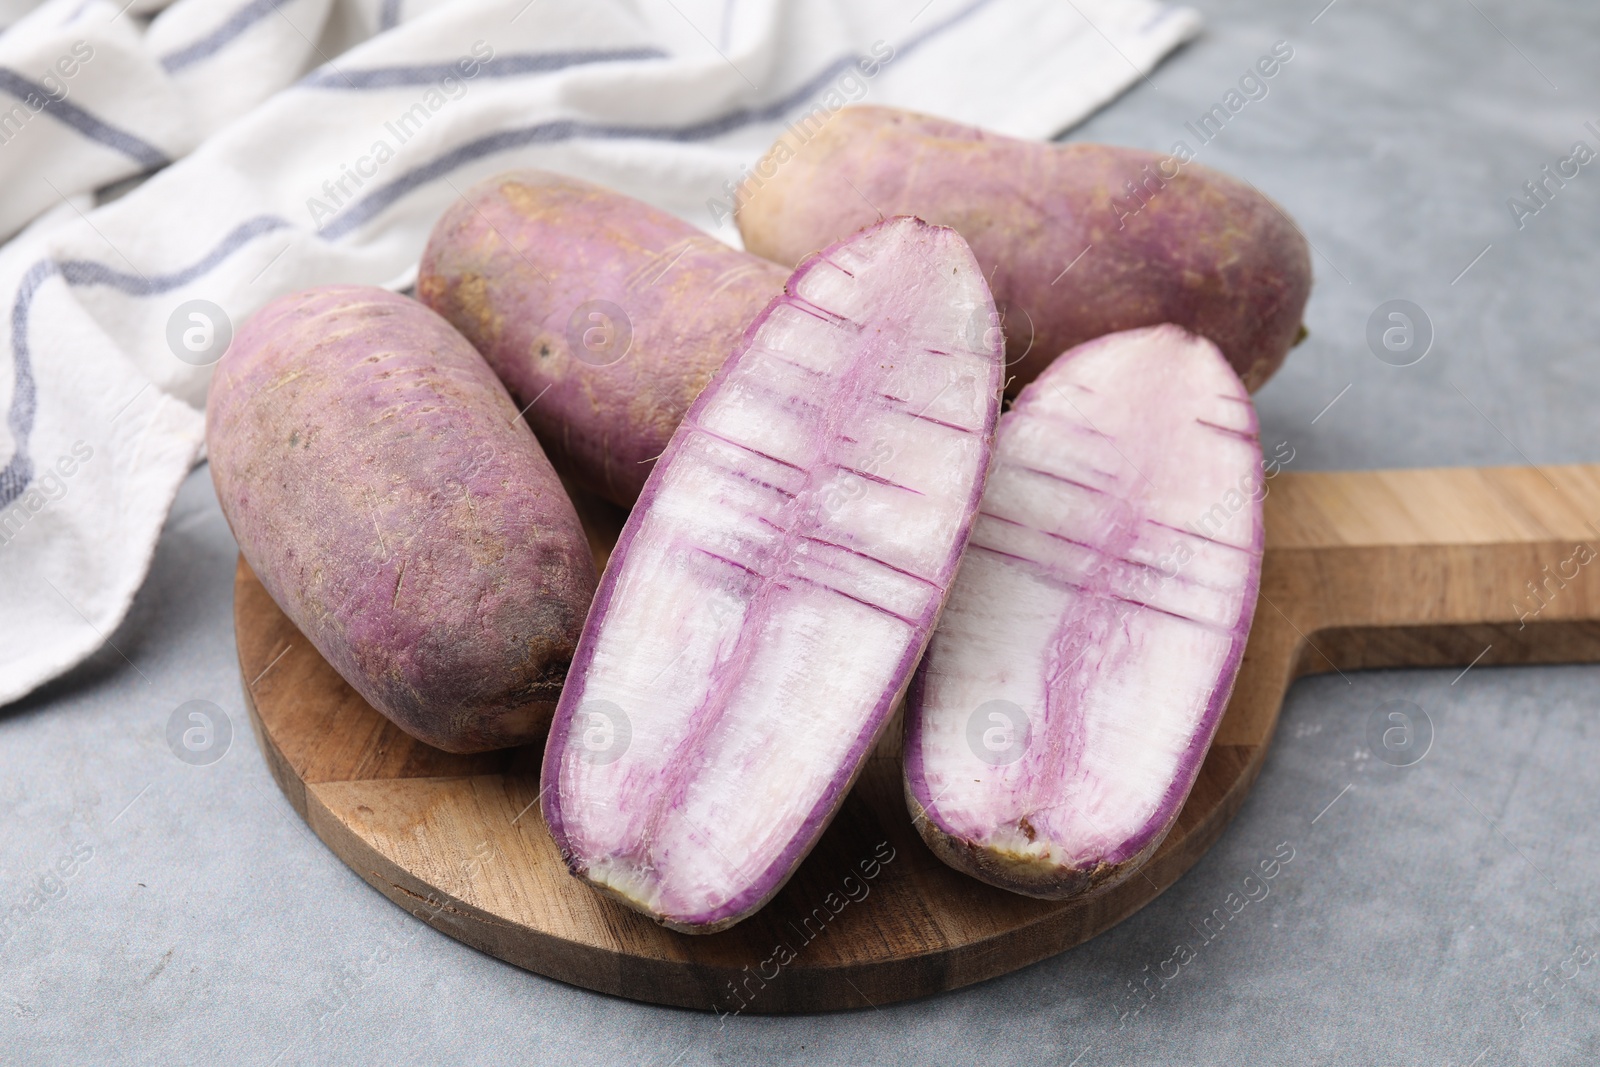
(200, 921)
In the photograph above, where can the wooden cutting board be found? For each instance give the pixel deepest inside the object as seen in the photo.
(1423, 568)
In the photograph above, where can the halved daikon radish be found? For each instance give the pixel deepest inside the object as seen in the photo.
(777, 582)
(1092, 638)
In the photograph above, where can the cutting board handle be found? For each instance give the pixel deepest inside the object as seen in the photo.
(1424, 568)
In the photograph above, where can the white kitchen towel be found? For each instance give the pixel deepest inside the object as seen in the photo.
(115, 312)
(129, 94)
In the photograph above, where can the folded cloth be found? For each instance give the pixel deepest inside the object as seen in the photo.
(266, 181)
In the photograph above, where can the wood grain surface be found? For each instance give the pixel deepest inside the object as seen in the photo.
(1371, 569)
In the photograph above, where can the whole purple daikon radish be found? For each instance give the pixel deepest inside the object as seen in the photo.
(604, 316)
(384, 490)
(1092, 637)
(778, 580)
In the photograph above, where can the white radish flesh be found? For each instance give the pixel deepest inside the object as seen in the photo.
(778, 580)
(1092, 637)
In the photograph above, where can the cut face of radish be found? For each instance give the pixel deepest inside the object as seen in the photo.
(778, 580)
(1093, 634)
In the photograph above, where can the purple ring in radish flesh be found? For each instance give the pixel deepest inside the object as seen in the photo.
(1093, 634)
(778, 580)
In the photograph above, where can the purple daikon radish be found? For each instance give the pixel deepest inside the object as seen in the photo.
(777, 582)
(1093, 634)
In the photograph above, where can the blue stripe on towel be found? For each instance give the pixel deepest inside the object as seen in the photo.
(89, 272)
(363, 210)
(16, 475)
(24, 399)
(70, 114)
(501, 66)
(221, 37)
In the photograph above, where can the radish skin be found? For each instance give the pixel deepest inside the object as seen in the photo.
(1094, 632)
(1077, 240)
(382, 488)
(516, 258)
(772, 593)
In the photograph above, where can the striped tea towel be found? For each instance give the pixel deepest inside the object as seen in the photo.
(290, 143)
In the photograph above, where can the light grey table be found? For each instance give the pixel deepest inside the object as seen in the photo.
(201, 922)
